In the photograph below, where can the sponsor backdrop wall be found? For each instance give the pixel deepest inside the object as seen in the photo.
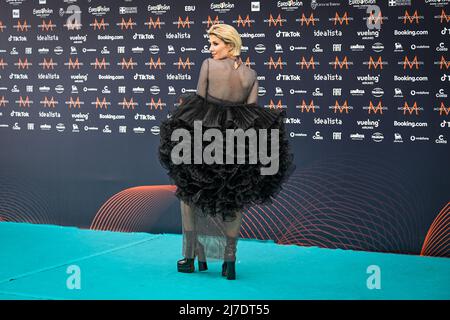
(84, 86)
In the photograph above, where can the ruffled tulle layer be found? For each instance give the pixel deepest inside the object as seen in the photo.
(223, 189)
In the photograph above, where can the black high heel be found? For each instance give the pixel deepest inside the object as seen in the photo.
(186, 265)
(202, 265)
(229, 270)
(229, 264)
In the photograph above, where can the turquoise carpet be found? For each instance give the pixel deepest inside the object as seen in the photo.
(37, 262)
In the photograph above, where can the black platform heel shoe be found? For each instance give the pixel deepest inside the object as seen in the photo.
(202, 265)
(229, 270)
(186, 265)
(229, 265)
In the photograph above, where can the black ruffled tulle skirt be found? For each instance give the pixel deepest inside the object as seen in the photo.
(223, 189)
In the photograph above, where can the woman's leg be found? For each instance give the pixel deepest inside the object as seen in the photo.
(232, 231)
(188, 224)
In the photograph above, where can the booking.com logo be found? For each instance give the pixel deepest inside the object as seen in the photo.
(214, 152)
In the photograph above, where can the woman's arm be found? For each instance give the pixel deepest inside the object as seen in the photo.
(203, 78)
(253, 95)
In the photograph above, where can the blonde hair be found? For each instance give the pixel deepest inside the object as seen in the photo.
(229, 35)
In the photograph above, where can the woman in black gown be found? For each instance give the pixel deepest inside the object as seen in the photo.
(214, 196)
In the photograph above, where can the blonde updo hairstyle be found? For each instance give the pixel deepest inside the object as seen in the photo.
(229, 35)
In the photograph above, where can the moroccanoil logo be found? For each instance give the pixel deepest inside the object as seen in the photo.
(306, 64)
(337, 18)
(155, 65)
(184, 23)
(275, 22)
(375, 19)
(73, 64)
(48, 64)
(155, 105)
(443, 63)
(22, 27)
(374, 64)
(128, 104)
(49, 103)
(153, 24)
(101, 104)
(3, 64)
(24, 103)
(444, 16)
(210, 22)
(46, 26)
(306, 108)
(127, 64)
(409, 18)
(100, 64)
(307, 21)
(275, 65)
(273, 105)
(407, 108)
(339, 63)
(374, 109)
(99, 25)
(74, 103)
(23, 64)
(340, 108)
(410, 64)
(184, 64)
(443, 109)
(125, 25)
(244, 22)
(3, 101)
